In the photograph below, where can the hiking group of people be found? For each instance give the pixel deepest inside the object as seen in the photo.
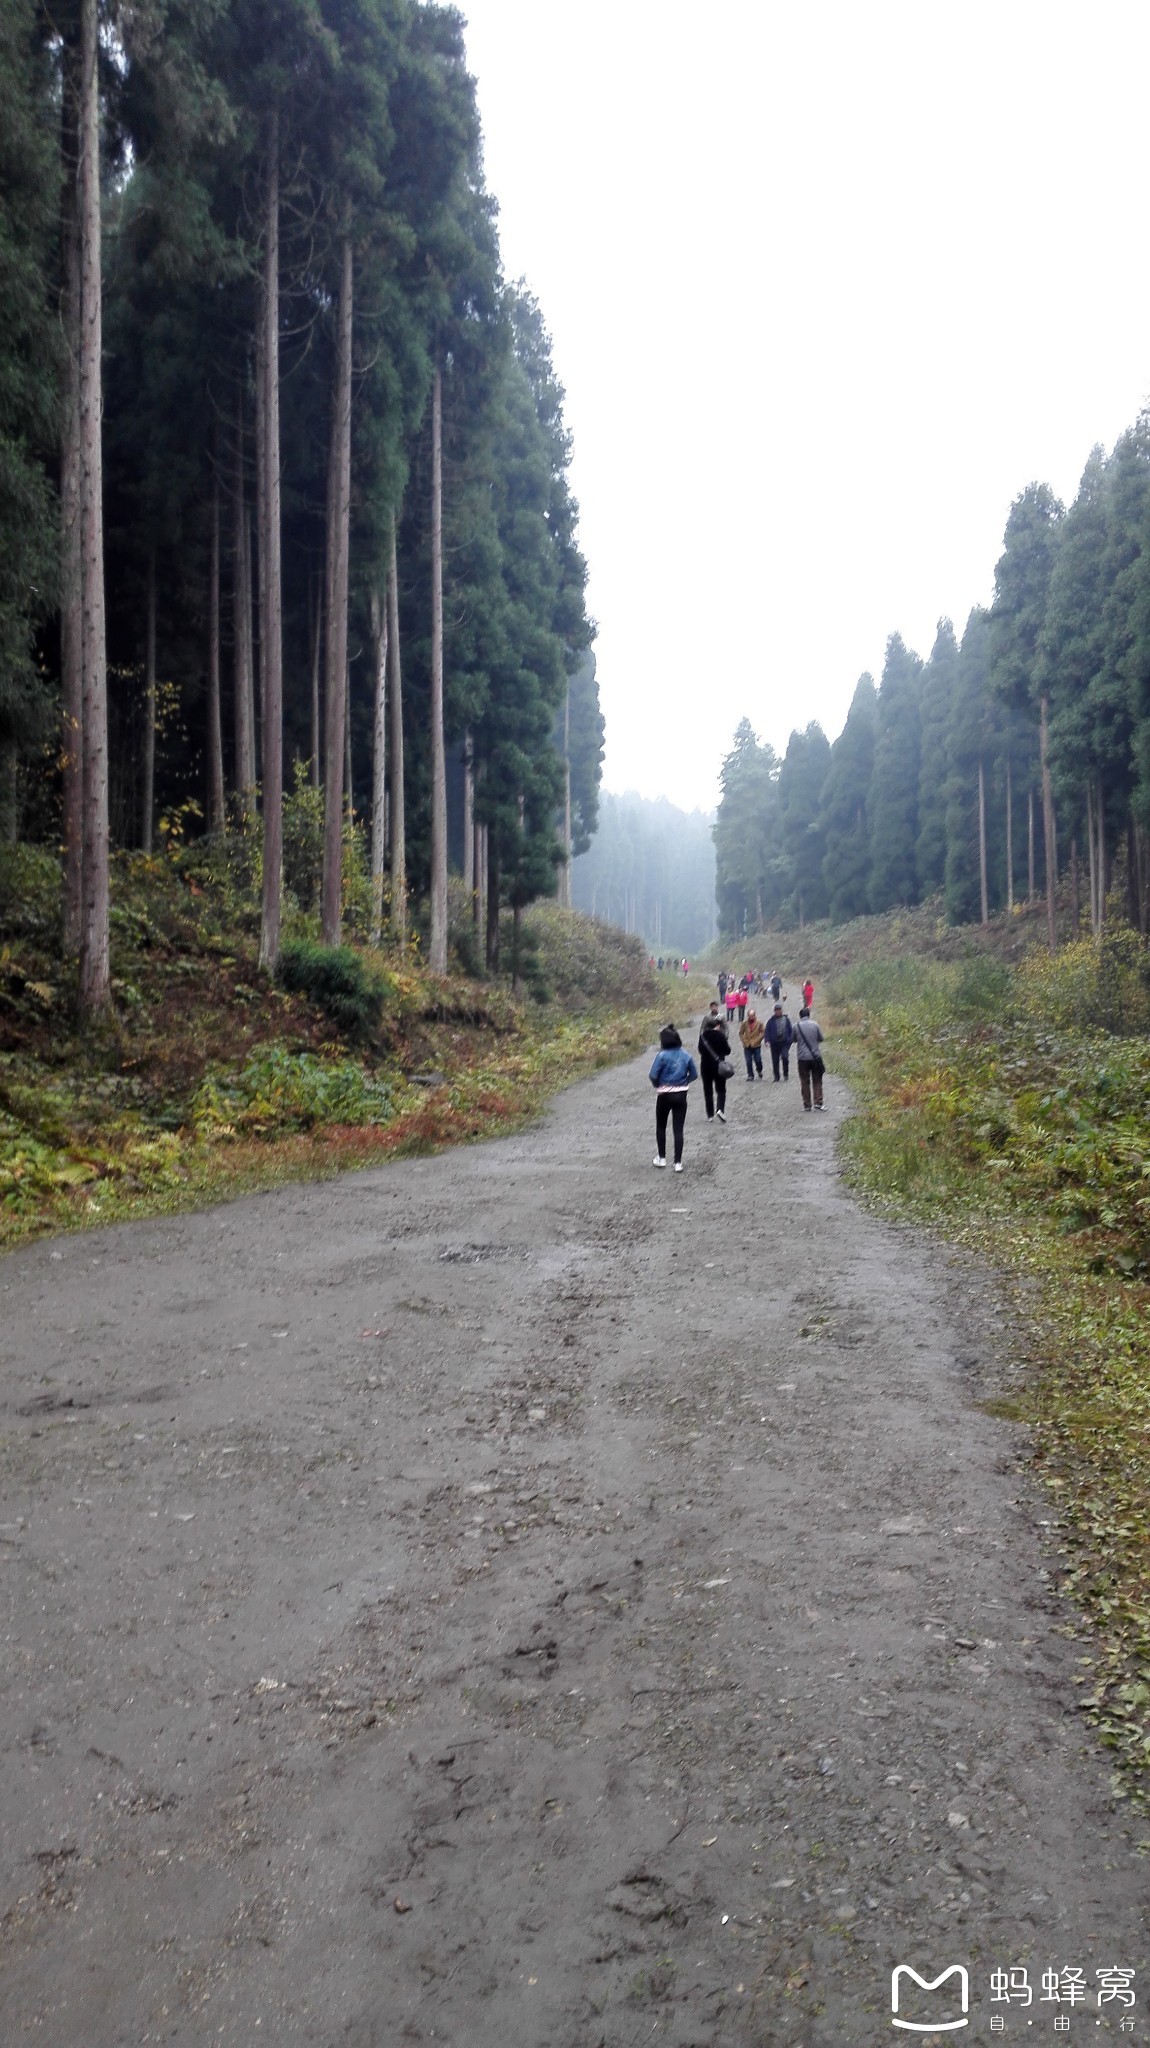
(674, 1069)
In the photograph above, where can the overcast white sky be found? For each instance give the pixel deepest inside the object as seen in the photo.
(828, 285)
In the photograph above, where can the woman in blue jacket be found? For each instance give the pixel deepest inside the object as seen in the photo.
(671, 1076)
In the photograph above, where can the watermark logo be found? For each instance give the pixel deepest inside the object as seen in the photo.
(903, 1975)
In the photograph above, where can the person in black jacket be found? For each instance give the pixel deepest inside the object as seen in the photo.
(714, 1045)
(780, 1038)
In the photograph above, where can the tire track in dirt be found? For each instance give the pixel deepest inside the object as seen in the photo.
(519, 1597)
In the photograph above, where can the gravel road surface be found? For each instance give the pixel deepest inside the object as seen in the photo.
(518, 1599)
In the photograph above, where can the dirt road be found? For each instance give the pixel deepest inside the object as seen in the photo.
(522, 1600)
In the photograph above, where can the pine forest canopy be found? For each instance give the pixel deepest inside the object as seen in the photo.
(651, 869)
(283, 464)
(955, 775)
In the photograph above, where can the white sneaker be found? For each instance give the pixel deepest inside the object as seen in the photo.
(658, 1162)
(722, 1115)
(678, 1166)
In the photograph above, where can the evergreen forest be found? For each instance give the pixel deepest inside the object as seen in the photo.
(1011, 762)
(288, 551)
(651, 870)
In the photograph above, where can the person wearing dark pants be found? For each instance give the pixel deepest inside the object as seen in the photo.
(780, 1036)
(671, 1075)
(808, 1038)
(714, 1046)
(751, 1032)
(671, 1103)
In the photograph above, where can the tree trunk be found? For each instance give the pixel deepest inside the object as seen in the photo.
(395, 694)
(215, 728)
(565, 870)
(468, 816)
(1050, 844)
(516, 932)
(983, 893)
(480, 898)
(271, 575)
(95, 983)
(437, 935)
(71, 559)
(378, 763)
(1009, 842)
(1030, 846)
(316, 654)
(348, 764)
(148, 805)
(1074, 895)
(1100, 822)
(335, 680)
(1091, 855)
(491, 863)
(244, 706)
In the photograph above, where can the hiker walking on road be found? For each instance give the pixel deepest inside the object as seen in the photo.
(808, 991)
(780, 1037)
(731, 1003)
(776, 986)
(751, 1033)
(714, 1064)
(808, 1038)
(672, 1072)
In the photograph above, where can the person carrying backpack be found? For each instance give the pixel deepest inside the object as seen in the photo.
(671, 1075)
(714, 1064)
(808, 1038)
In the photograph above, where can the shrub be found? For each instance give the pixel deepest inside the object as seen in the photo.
(1095, 984)
(578, 958)
(339, 980)
(30, 893)
(303, 839)
(283, 1091)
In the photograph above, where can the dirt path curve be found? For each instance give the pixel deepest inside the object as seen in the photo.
(520, 1600)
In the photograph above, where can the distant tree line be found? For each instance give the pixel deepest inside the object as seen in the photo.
(1006, 761)
(283, 465)
(650, 869)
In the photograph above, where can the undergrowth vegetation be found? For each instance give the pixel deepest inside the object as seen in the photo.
(1009, 1104)
(209, 1078)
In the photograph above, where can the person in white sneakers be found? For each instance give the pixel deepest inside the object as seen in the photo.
(671, 1075)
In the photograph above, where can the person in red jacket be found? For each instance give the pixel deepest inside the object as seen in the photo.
(808, 992)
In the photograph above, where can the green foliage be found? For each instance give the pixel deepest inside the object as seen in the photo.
(29, 356)
(996, 1103)
(747, 833)
(340, 981)
(846, 794)
(29, 893)
(580, 960)
(893, 797)
(303, 839)
(281, 1091)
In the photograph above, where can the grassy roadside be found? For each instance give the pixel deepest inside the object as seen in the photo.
(999, 1104)
(208, 1081)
